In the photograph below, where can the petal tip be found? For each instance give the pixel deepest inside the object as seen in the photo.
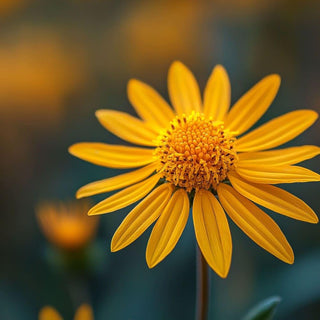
(309, 114)
(75, 148)
(151, 264)
(99, 113)
(150, 259)
(316, 176)
(273, 81)
(72, 148)
(92, 212)
(315, 114)
(177, 66)
(290, 260)
(176, 63)
(114, 246)
(132, 83)
(289, 256)
(219, 67)
(222, 273)
(314, 219)
(79, 194)
(275, 78)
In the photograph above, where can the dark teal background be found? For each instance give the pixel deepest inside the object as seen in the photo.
(251, 40)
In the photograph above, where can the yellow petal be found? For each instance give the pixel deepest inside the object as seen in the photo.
(49, 313)
(277, 131)
(255, 223)
(84, 312)
(125, 197)
(217, 94)
(168, 229)
(117, 182)
(212, 232)
(276, 174)
(279, 157)
(112, 156)
(253, 104)
(274, 198)
(183, 89)
(127, 127)
(141, 217)
(149, 105)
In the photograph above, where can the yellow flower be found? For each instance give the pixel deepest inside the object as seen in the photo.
(195, 155)
(37, 64)
(8, 6)
(66, 225)
(84, 312)
(153, 32)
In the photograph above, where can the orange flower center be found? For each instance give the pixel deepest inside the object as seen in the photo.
(196, 153)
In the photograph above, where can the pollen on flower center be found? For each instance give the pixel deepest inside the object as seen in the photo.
(196, 153)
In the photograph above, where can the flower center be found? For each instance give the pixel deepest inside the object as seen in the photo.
(196, 153)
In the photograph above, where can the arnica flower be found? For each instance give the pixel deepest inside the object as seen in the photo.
(199, 155)
(84, 312)
(66, 225)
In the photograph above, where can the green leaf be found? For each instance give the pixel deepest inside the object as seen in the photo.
(265, 310)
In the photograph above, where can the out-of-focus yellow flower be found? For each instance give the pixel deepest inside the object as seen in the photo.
(66, 225)
(84, 312)
(199, 155)
(7, 6)
(38, 72)
(154, 32)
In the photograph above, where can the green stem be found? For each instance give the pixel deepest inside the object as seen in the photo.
(202, 302)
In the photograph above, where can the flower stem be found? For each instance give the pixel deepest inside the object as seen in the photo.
(202, 302)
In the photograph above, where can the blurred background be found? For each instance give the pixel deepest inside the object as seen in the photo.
(60, 60)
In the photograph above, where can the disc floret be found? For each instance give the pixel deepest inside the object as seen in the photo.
(195, 152)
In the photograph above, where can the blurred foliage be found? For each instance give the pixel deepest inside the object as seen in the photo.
(265, 310)
(62, 60)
